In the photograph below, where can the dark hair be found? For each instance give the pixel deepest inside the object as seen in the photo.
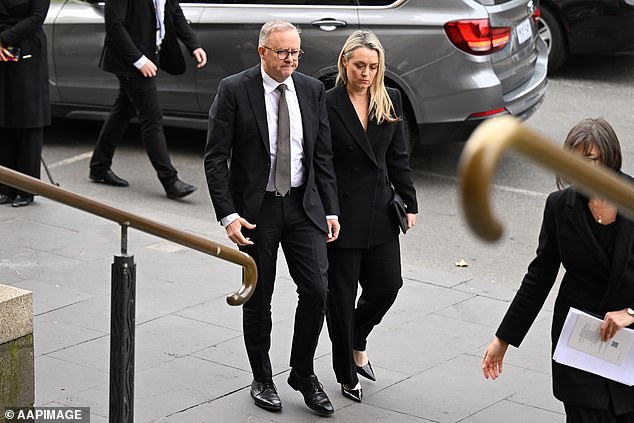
(594, 132)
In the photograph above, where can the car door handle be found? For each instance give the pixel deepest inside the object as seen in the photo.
(329, 24)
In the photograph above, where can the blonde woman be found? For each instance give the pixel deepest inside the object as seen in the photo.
(369, 153)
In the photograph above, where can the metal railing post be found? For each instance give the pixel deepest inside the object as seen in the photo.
(122, 316)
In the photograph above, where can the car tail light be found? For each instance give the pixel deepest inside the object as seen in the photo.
(536, 14)
(477, 36)
(488, 113)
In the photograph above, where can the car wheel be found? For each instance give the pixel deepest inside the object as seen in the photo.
(551, 32)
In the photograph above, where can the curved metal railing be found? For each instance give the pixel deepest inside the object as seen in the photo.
(123, 218)
(482, 153)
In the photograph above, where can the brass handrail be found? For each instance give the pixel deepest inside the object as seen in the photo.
(35, 186)
(482, 153)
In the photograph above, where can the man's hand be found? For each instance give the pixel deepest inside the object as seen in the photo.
(5, 56)
(149, 69)
(234, 231)
(333, 230)
(613, 321)
(200, 56)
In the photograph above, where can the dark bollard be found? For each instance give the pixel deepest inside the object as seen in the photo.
(122, 339)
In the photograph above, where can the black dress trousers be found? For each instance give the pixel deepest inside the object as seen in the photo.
(138, 97)
(282, 220)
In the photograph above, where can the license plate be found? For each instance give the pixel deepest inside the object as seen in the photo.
(524, 31)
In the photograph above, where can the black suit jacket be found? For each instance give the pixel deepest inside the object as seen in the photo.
(131, 33)
(365, 163)
(591, 283)
(238, 131)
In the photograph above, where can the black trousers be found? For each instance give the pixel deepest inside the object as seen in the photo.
(282, 220)
(138, 97)
(378, 271)
(576, 414)
(21, 150)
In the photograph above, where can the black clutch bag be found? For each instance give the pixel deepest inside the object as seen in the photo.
(398, 210)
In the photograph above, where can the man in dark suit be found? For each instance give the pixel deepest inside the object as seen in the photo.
(142, 36)
(271, 122)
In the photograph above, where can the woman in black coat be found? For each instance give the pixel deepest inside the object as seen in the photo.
(24, 99)
(595, 245)
(369, 152)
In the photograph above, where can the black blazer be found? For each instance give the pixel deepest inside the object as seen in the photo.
(24, 90)
(365, 163)
(591, 283)
(238, 131)
(131, 33)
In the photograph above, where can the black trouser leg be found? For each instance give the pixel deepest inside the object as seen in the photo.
(144, 97)
(343, 277)
(380, 279)
(304, 248)
(112, 131)
(28, 150)
(7, 156)
(575, 414)
(256, 313)
(21, 150)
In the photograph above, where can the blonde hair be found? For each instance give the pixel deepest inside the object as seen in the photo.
(381, 106)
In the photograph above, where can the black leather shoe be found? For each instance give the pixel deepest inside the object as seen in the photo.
(265, 396)
(313, 391)
(367, 372)
(178, 189)
(107, 177)
(5, 199)
(22, 201)
(355, 394)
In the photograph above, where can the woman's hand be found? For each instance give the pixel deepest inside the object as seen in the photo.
(613, 321)
(493, 357)
(411, 220)
(4, 54)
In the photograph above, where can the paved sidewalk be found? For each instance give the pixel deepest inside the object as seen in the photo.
(191, 364)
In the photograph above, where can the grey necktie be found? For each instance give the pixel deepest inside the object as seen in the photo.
(283, 166)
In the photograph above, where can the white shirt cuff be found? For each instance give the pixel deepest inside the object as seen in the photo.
(332, 217)
(141, 62)
(227, 220)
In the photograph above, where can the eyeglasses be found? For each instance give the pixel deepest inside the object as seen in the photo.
(284, 54)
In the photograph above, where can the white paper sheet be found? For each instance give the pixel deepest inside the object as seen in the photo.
(580, 346)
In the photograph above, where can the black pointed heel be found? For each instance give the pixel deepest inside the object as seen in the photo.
(367, 372)
(353, 394)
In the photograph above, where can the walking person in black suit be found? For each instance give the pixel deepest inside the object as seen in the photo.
(279, 188)
(369, 153)
(141, 37)
(595, 244)
(24, 97)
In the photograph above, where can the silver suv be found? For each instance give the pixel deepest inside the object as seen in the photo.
(456, 62)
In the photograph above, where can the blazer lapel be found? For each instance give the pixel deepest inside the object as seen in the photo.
(307, 112)
(348, 115)
(622, 253)
(255, 92)
(579, 222)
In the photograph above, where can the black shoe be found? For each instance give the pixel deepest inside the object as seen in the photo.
(265, 395)
(178, 189)
(22, 201)
(366, 371)
(107, 177)
(355, 394)
(313, 391)
(5, 199)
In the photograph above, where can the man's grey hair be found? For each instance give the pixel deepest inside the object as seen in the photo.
(275, 25)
